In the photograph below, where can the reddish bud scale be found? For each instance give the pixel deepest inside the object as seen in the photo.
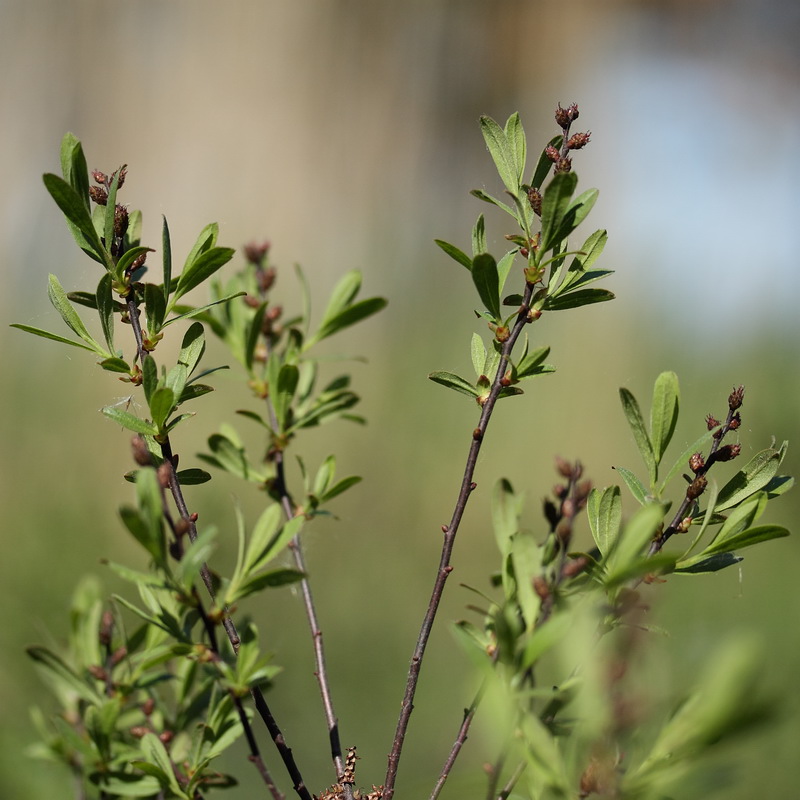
(98, 195)
(535, 199)
(552, 153)
(728, 452)
(696, 463)
(736, 398)
(578, 140)
(711, 422)
(696, 487)
(563, 165)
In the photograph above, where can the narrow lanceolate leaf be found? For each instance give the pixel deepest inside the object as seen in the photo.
(515, 136)
(187, 312)
(632, 541)
(604, 511)
(52, 336)
(478, 353)
(486, 280)
(62, 675)
(202, 268)
(166, 250)
(73, 167)
(544, 164)
(555, 202)
(130, 421)
(634, 416)
(747, 538)
(350, 316)
(58, 297)
(501, 152)
(78, 218)
(578, 298)
(637, 488)
(192, 347)
(155, 308)
(105, 308)
(457, 255)
(110, 210)
(161, 404)
(664, 412)
(576, 212)
(284, 392)
(755, 475)
(702, 563)
(456, 382)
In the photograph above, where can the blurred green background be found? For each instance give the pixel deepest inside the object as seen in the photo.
(346, 132)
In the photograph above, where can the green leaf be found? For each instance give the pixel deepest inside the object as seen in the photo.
(486, 280)
(487, 198)
(122, 784)
(282, 576)
(746, 538)
(454, 253)
(577, 298)
(192, 347)
(161, 403)
(515, 136)
(702, 563)
(130, 421)
(110, 211)
(284, 392)
(58, 297)
(634, 416)
(73, 167)
(664, 412)
(501, 152)
(192, 476)
(52, 336)
(187, 312)
(63, 676)
(544, 164)
(156, 753)
(205, 241)
(337, 489)
(78, 219)
(576, 212)
(127, 259)
(555, 202)
(105, 307)
(453, 381)
(149, 376)
(741, 517)
(115, 365)
(350, 316)
(604, 511)
(166, 251)
(636, 487)
(478, 238)
(755, 475)
(531, 363)
(478, 353)
(506, 509)
(230, 457)
(201, 269)
(633, 540)
(254, 333)
(504, 267)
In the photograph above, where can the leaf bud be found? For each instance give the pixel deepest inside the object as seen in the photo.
(563, 467)
(696, 487)
(535, 199)
(684, 524)
(164, 473)
(574, 567)
(506, 379)
(106, 628)
(736, 398)
(502, 333)
(98, 194)
(148, 706)
(540, 587)
(578, 140)
(99, 177)
(266, 277)
(696, 463)
(166, 737)
(552, 153)
(736, 421)
(728, 452)
(477, 434)
(711, 422)
(141, 455)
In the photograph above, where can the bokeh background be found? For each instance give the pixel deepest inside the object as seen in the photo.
(346, 133)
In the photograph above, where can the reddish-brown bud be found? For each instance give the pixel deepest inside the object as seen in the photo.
(563, 467)
(97, 672)
(252, 302)
(255, 252)
(166, 737)
(566, 116)
(99, 177)
(137, 263)
(98, 195)
(728, 452)
(118, 655)
(574, 567)
(123, 173)
(696, 487)
(711, 422)
(120, 220)
(535, 199)
(141, 455)
(736, 398)
(541, 587)
(148, 706)
(106, 628)
(563, 165)
(266, 277)
(578, 140)
(139, 731)
(736, 421)
(477, 434)
(164, 474)
(502, 333)
(696, 463)
(552, 153)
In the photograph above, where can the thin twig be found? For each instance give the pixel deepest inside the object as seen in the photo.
(450, 531)
(512, 781)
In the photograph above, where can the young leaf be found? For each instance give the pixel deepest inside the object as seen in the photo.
(161, 403)
(205, 241)
(62, 676)
(454, 253)
(755, 475)
(575, 299)
(52, 336)
(78, 219)
(544, 164)
(110, 211)
(453, 381)
(604, 511)
(192, 347)
(73, 167)
(515, 136)
(130, 421)
(634, 416)
(478, 353)
(746, 538)
(501, 152)
(555, 202)
(486, 280)
(166, 249)
(636, 487)
(105, 307)
(664, 412)
(58, 298)
(201, 269)
(350, 316)
(478, 238)
(630, 544)
(155, 308)
(284, 392)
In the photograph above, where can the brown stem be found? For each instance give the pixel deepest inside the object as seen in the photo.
(467, 486)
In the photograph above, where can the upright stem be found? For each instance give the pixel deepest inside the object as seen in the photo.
(450, 531)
